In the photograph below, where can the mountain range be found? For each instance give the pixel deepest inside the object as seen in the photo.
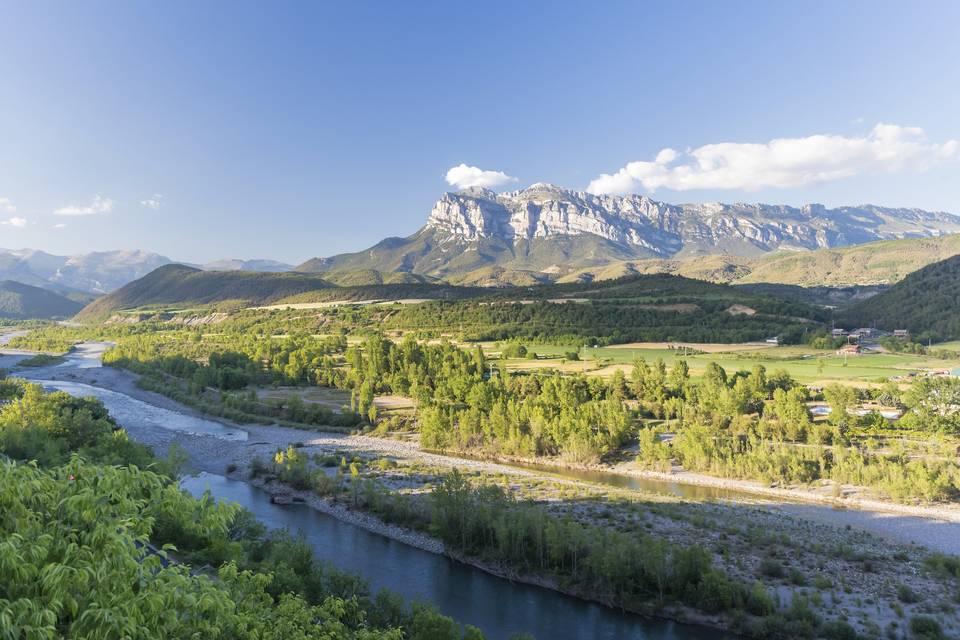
(545, 232)
(102, 271)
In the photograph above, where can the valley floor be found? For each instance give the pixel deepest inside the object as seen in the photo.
(855, 559)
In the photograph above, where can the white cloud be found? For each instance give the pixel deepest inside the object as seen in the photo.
(153, 202)
(60, 225)
(99, 204)
(462, 176)
(781, 163)
(6, 206)
(15, 222)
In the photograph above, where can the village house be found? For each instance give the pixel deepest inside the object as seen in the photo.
(862, 334)
(849, 350)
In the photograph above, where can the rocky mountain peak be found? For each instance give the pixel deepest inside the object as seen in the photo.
(656, 229)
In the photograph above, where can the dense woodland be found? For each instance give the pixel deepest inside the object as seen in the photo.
(751, 425)
(925, 302)
(595, 322)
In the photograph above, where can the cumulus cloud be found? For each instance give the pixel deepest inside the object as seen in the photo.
(15, 222)
(6, 206)
(99, 204)
(780, 163)
(462, 176)
(153, 202)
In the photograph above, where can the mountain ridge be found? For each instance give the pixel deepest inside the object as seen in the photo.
(100, 272)
(545, 228)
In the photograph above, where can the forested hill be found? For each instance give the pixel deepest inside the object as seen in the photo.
(179, 286)
(176, 284)
(642, 307)
(22, 301)
(927, 300)
(636, 308)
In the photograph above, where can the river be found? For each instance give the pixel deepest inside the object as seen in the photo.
(497, 606)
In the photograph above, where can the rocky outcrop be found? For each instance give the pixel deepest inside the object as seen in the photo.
(636, 221)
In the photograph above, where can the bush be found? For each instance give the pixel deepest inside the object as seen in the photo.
(324, 485)
(943, 565)
(821, 581)
(258, 467)
(838, 630)
(759, 602)
(906, 594)
(925, 628)
(772, 568)
(717, 593)
(514, 350)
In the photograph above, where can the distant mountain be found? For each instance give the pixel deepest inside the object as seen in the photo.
(97, 272)
(22, 301)
(102, 271)
(927, 300)
(546, 232)
(233, 264)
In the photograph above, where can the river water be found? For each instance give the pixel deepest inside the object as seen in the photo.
(498, 607)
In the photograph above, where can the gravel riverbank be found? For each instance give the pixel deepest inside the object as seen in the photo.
(937, 528)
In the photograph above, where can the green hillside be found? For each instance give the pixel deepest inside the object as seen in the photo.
(177, 286)
(884, 262)
(22, 301)
(925, 301)
(496, 263)
(638, 307)
(635, 308)
(425, 253)
(875, 263)
(367, 277)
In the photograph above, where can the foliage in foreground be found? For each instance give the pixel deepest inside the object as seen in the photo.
(84, 547)
(75, 562)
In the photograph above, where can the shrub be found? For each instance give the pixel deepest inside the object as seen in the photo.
(324, 485)
(925, 628)
(258, 467)
(943, 565)
(906, 594)
(821, 581)
(772, 568)
(838, 630)
(717, 593)
(759, 602)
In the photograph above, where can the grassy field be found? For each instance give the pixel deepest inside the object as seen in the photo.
(333, 398)
(806, 365)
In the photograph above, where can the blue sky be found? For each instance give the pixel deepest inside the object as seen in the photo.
(297, 129)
